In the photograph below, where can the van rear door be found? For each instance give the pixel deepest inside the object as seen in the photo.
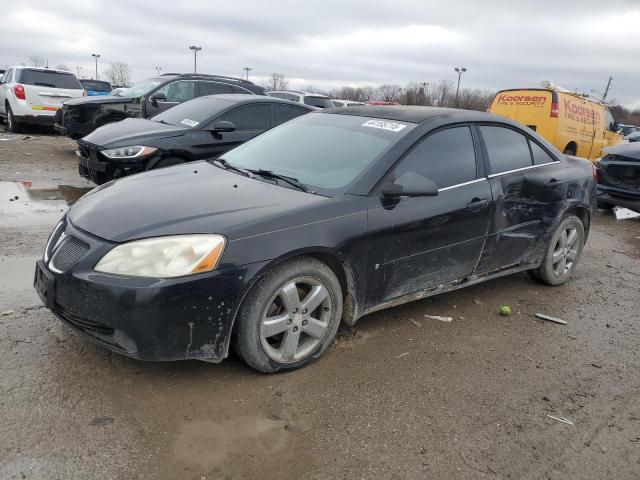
(533, 108)
(45, 90)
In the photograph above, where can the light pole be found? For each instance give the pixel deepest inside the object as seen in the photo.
(460, 71)
(195, 55)
(158, 70)
(96, 56)
(247, 70)
(78, 69)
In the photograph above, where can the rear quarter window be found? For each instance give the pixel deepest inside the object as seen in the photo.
(507, 149)
(540, 155)
(51, 79)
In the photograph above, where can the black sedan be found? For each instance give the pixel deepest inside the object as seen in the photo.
(323, 219)
(619, 177)
(200, 128)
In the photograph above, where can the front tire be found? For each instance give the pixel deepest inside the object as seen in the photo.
(563, 252)
(290, 317)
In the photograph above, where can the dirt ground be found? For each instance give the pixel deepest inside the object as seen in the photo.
(400, 396)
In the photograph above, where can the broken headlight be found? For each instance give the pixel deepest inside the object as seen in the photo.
(164, 257)
(126, 153)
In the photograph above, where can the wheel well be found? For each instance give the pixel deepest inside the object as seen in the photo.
(572, 146)
(583, 214)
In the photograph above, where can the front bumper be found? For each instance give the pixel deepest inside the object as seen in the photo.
(144, 318)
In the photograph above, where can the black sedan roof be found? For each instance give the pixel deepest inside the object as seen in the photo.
(240, 98)
(412, 113)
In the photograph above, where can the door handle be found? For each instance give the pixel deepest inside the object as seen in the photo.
(555, 181)
(477, 204)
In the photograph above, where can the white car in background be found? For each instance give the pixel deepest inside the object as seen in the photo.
(30, 95)
(346, 103)
(313, 99)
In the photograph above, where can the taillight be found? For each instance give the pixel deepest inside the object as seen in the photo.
(554, 110)
(595, 173)
(84, 93)
(18, 91)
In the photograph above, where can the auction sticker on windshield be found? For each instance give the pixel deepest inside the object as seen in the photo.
(384, 125)
(190, 123)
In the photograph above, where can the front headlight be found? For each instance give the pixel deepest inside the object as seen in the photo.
(164, 257)
(126, 153)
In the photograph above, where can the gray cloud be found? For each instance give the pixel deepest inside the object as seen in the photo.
(576, 43)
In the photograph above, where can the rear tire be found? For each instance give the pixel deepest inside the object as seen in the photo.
(563, 252)
(12, 125)
(290, 317)
(167, 162)
(569, 150)
(602, 205)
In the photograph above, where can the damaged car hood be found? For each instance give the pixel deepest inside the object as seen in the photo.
(100, 100)
(194, 198)
(131, 130)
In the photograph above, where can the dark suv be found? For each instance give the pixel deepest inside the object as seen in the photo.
(79, 117)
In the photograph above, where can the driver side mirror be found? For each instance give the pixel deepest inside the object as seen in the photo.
(614, 127)
(221, 126)
(158, 97)
(410, 185)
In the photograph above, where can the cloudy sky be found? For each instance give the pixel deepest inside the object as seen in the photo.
(576, 43)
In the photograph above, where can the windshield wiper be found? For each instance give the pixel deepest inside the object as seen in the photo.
(227, 166)
(164, 122)
(276, 176)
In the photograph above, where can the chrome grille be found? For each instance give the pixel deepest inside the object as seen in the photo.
(68, 254)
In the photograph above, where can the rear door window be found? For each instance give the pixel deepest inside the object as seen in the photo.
(214, 88)
(540, 155)
(507, 149)
(250, 117)
(51, 79)
(287, 112)
(446, 157)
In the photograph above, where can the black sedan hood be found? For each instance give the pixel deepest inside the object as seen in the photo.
(97, 100)
(194, 198)
(630, 151)
(130, 131)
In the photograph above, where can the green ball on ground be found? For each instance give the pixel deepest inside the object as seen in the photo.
(505, 310)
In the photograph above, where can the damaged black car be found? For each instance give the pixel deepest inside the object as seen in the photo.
(323, 219)
(81, 116)
(619, 177)
(201, 128)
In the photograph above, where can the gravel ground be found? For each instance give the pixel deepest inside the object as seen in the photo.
(400, 396)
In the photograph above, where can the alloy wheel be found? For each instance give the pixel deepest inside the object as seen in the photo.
(565, 251)
(295, 320)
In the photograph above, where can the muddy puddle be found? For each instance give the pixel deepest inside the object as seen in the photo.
(31, 203)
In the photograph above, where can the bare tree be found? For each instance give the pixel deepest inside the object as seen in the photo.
(277, 81)
(63, 66)
(475, 99)
(37, 61)
(118, 73)
(443, 93)
(389, 93)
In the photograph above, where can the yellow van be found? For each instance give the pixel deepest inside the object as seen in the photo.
(573, 123)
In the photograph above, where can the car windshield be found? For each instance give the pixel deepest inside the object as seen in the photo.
(96, 85)
(626, 130)
(324, 152)
(192, 113)
(51, 79)
(141, 89)
(321, 102)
